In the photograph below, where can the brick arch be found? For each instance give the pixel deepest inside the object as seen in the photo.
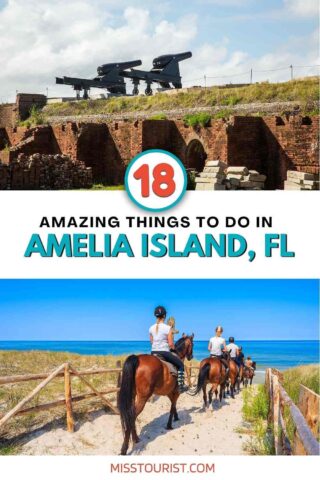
(195, 154)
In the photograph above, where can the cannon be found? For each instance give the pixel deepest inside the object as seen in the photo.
(165, 71)
(108, 78)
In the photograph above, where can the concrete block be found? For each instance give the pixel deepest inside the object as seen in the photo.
(216, 163)
(210, 186)
(213, 169)
(293, 175)
(212, 175)
(238, 170)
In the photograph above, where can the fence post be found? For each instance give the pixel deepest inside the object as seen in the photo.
(276, 415)
(68, 397)
(118, 365)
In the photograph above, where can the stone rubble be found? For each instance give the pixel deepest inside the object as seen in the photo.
(301, 181)
(217, 175)
(44, 172)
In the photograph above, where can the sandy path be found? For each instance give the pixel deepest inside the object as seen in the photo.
(198, 432)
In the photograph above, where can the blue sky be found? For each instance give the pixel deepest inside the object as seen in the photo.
(48, 38)
(123, 309)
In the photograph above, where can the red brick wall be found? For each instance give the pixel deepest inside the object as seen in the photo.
(271, 145)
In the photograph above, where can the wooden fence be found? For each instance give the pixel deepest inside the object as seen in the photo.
(67, 371)
(304, 418)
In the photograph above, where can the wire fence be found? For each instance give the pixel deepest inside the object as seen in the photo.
(252, 75)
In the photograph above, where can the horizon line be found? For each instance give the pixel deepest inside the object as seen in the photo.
(198, 340)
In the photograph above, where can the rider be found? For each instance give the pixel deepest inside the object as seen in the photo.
(249, 364)
(233, 349)
(161, 339)
(217, 346)
(241, 356)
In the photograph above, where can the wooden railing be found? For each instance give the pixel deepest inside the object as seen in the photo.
(305, 418)
(67, 371)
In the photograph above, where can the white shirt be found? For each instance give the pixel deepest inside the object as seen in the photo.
(232, 348)
(160, 338)
(217, 344)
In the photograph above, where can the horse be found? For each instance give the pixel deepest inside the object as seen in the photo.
(248, 374)
(143, 376)
(213, 371)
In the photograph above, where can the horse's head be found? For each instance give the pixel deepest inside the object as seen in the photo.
(254, 365)
(184, 346)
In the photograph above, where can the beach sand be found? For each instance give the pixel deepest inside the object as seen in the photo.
(198, 432)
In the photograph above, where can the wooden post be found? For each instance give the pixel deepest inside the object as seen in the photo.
(309, 405)
(107, 402)
(118, 365)
(31, 395)
(68, 398)
(276, 415)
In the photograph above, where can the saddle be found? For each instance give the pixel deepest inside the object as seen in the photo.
(172, 368)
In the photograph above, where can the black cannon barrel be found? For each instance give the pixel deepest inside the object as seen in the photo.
(163, 60)
(120, 66)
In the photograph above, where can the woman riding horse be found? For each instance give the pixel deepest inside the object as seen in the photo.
(145, 375)
(161, 338)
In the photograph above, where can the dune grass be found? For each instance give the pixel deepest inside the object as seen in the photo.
(305, 91)
(255, 412)
(19, 363)
(307, 375)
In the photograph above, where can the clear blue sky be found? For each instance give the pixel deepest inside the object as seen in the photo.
(122, 309)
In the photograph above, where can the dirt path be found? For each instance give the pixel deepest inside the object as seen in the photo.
(198, 432)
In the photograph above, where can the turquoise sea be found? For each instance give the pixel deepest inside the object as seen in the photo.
(280, 354)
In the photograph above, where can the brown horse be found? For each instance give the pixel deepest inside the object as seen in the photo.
(248, 374)
(142, 376)
(212, 371)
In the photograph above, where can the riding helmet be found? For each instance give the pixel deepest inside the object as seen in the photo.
(160, 312)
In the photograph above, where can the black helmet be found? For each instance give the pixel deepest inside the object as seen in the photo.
(160, 312)
(231, 339)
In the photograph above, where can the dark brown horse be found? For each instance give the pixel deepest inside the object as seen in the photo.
(142, 376)
(248, 374)
(211, 371)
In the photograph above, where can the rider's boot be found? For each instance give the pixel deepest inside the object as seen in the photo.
(181, 385)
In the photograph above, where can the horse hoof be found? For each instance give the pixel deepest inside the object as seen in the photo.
(136, 440)
(176, 419)
(169, 427)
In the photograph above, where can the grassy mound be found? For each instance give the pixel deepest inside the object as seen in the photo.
(304, 91)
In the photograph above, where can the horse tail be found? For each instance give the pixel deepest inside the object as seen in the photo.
(202, 377)
(127, 394)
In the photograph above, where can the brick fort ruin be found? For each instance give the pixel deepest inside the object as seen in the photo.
(270, 145)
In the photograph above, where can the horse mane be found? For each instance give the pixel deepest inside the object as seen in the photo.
(180, 343)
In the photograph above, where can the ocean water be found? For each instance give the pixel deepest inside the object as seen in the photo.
(267, 353)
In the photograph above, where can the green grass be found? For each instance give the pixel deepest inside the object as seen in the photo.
(305, 91)
(255, 412)
(158, 116)
(197, 119)
(307, 375)
(36, 117)
(100, 186)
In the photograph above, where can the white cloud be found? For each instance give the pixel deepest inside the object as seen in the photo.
(54, 38)
(306, 8)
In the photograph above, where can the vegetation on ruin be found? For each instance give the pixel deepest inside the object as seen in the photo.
(101, 186)
(197, 119)
(35, 118)
(305, 91)
(159, 116)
